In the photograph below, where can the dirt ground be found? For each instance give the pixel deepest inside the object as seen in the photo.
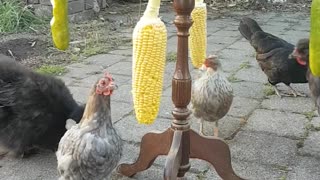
(105, 32)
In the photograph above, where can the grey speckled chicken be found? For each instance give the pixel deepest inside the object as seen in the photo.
(212, 94)
(91, 149)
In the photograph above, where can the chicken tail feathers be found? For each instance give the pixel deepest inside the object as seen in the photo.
(248, 27)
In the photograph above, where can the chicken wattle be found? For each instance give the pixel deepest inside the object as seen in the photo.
(91, 149)
(212, 94)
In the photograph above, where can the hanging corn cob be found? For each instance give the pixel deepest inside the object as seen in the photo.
(59, 24)
(315, 38)
(198, 34)
(149, 53)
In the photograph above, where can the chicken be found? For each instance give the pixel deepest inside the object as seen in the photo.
(301, 53)
(33, 110)
(211, 95)
(272, 54)
(91, 149)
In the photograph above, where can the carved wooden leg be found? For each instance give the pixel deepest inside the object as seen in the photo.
(152, 145)
(215, 151)
(173, 160)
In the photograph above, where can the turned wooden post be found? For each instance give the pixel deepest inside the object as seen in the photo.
(181, 83)
(179, 142)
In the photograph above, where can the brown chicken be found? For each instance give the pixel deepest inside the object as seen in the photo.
(301, 52)
(91, 149)
(272, 54)
(212, 94)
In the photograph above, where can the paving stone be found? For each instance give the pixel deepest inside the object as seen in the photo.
(242, 107)
(250, 170)
(277, 122)
(293, 104)
(91, 80)
(215, 26)
(166, 107)
(240, 45)
(154, 173)
(232, 59)
(136, 131)
(275, 30)
(316, 122)
(119, 110)
(212, 28)
(39, 166)
(220, 39)
(121, 68)
(312, 145)
(124, 52)
(248, 89)
(172, 44)
(305, 168)
(80, 94)
(214, 48)
(80, 70)
(123, 94)
(67, 80)
(104, 60)
(252, 75)
(227, 33)
(262, 148)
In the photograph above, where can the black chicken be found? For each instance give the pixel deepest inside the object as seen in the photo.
(272, 54)
(33, 109)
(301, 53)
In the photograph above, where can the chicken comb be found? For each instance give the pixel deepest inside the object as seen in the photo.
(102, 87)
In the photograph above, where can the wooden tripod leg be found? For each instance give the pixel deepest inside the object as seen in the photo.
(173, 160)
(214, 151)
(152, 145)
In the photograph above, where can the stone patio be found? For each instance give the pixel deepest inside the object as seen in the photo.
(270, 138)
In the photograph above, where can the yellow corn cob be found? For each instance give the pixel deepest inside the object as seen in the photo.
(59, 24)
(198, 34)
(149, 51)
(315, 38)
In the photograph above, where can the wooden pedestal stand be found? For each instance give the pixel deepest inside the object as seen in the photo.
(179, 142)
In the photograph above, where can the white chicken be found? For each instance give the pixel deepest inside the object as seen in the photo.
(91, 149)
(212, 94)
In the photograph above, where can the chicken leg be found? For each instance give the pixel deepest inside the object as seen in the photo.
(277, 91)
(215, 129)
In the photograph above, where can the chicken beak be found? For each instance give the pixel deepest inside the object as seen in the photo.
(294, 54)
(203, 67)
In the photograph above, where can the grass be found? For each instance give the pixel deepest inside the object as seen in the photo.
(15, 17)
(52, 70)
(309, 115)
(232, 78)
(300, 143)
(245, 65)
(268, 90)
(171, 56)
(202, 175)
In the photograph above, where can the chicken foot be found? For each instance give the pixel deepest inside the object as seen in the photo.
(293, 92)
